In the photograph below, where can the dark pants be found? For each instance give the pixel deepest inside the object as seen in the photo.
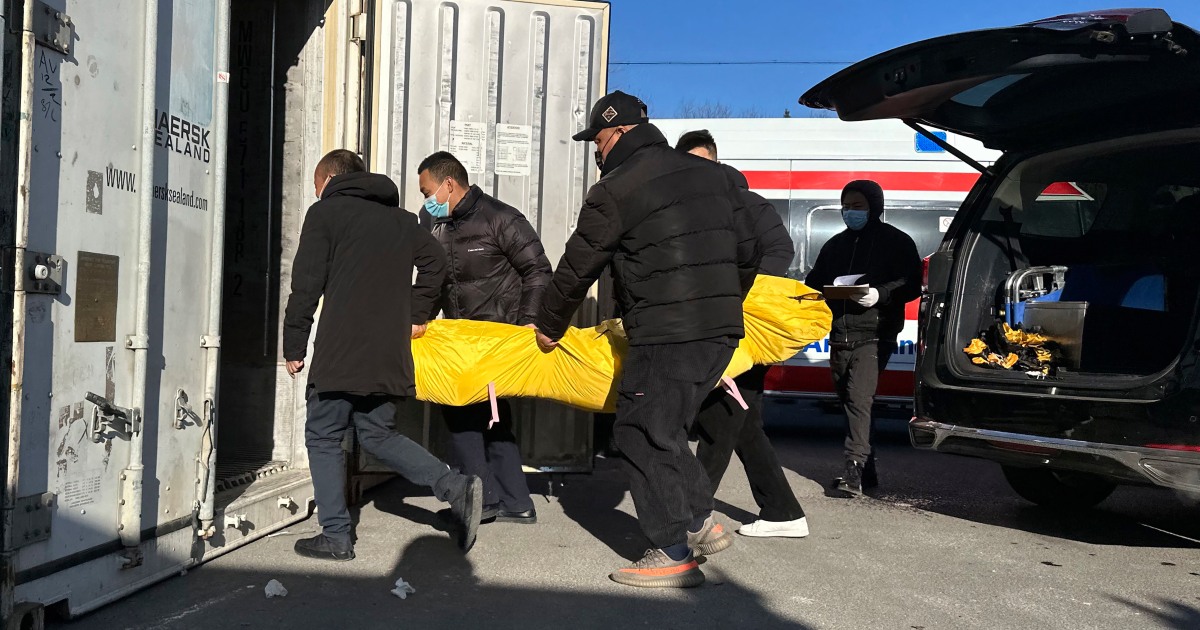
(490, 454)
(659, 396)
(724, 428)
(329, 415)
(856, 369)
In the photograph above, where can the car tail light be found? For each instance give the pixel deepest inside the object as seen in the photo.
(925, 275)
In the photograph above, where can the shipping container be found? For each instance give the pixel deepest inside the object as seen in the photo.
(155, 165)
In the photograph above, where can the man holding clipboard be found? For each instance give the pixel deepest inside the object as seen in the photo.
(867, 272)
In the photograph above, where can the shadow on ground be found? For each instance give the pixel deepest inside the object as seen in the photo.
(975, 489)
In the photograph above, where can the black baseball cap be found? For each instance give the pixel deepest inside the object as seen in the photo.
(613, 110)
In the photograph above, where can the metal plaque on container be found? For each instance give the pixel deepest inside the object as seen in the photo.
(96, 279)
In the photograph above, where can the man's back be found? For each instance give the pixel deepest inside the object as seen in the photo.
(675, 260)
(358, 249)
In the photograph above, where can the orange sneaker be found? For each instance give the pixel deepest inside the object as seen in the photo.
(711, 538)
(657, 570)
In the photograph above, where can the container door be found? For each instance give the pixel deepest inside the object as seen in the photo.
(503, 85)
(78, 412)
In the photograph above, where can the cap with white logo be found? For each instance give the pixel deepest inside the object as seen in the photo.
(613, 110)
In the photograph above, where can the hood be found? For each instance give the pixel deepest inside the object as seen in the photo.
(736, 177)
(1067, 79)
(370, 186)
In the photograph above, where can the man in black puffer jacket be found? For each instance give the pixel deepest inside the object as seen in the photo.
(723, 427)
(864, 331)
(497, 272)
(665, 221)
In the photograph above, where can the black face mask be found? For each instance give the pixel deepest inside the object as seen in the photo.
(599, 153)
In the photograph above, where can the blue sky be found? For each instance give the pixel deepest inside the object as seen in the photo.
(792, 30)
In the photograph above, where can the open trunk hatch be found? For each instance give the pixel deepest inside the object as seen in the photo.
(1065, 79)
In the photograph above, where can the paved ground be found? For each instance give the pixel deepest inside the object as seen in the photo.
(944, 544)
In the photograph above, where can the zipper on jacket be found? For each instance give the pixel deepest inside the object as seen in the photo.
(453, 270)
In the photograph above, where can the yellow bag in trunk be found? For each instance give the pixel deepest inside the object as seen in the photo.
(457, 359)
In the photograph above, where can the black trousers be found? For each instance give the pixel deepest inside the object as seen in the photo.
(856, 368)
(661, 389)
(329, 415)
(490, 454)
(724, 428)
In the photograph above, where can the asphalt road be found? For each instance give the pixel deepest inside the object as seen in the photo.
(943, 544)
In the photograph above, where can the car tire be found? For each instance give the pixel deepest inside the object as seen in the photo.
(1058, 489)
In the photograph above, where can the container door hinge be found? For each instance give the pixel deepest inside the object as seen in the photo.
(210, 341)
(108, 418)
(358, 21)
(38, 272)
(137, 342)
(32, 518)
(52, 28)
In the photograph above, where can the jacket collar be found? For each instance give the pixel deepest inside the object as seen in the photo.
(631, 142)
(466, 206)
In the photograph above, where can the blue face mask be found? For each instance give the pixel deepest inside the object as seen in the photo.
(433, 207)
(855, 219)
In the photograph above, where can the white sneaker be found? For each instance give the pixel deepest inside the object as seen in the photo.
(781, 529)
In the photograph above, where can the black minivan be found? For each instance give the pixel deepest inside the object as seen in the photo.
(1059, 327)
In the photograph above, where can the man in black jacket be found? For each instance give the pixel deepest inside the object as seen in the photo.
(498, 272)
(864, 331)
(665, 222)
(357, 251)
(723, 427)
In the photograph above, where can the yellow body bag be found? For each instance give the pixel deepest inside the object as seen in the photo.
(457, 361)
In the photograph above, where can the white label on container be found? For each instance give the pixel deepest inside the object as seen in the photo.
(467, 141)
(81, 490)
(514, 144)
(944, 223)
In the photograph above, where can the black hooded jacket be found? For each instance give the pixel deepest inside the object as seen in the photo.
(357, 250)
(889, 259)
(665, 220)
(762, 220)
(497, 267)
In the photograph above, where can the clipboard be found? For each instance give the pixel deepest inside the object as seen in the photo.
(845, 292)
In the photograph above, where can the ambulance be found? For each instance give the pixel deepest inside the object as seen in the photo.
(801, 164)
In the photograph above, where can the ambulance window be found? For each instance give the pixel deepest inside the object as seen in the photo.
(926, 225)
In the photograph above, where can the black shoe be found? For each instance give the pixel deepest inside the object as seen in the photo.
(322, 547)
(852, 481)
(870, 479)
(467, 509)
(488, 515)
(528, 517)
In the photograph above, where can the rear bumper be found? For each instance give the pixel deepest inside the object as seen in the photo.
(1178, 470)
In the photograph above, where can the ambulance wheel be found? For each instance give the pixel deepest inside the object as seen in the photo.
(1058, 489)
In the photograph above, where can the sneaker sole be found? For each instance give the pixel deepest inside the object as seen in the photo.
(775, 534)
(715, 546)
(690, 579)
(472, 525)
(345, 556)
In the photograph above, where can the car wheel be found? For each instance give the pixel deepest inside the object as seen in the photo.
(1058, 489)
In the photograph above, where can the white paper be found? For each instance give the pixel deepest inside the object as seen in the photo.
(514, 145)
(275, 589)
(403, 589)
(467, 142)
(847, 281)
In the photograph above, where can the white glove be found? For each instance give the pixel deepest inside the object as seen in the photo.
(870, 299)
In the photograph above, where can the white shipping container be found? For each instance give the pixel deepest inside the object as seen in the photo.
(155, 165)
